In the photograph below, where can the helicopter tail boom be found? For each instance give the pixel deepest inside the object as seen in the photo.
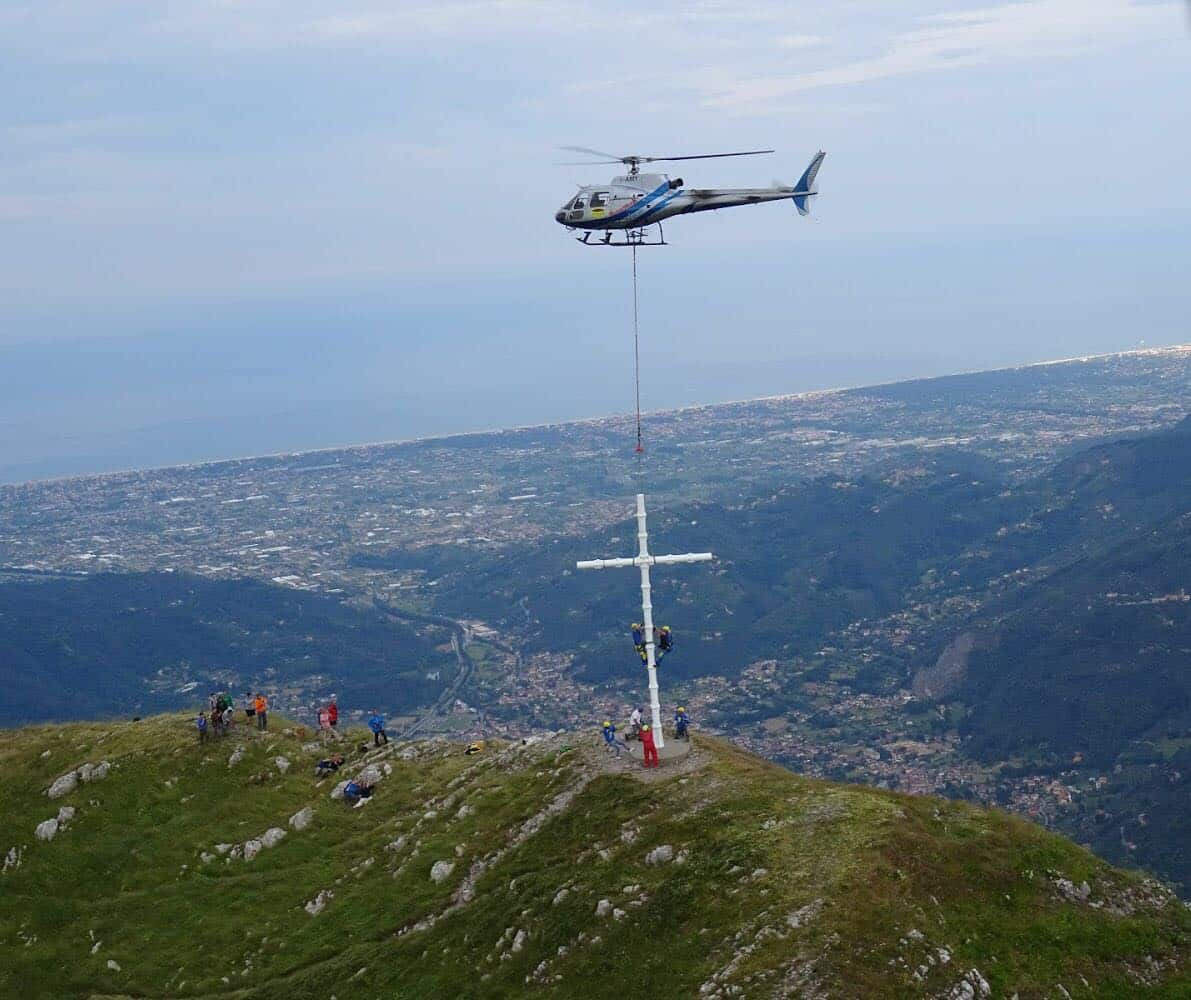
(804, 190)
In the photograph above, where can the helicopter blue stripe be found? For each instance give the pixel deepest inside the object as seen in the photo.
(638, 206)
(659, 206)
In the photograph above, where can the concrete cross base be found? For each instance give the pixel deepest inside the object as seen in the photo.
(674, 750)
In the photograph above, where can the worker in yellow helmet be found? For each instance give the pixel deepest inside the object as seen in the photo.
(610, 741)
(682, 723)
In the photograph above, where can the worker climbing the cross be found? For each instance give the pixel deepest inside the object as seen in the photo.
(663, 642)
(639, 640)
(650, 748)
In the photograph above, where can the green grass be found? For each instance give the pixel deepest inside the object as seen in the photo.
(759, 844)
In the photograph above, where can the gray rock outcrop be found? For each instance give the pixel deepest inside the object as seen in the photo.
(660, 855)
(302, 818)
(64, 785)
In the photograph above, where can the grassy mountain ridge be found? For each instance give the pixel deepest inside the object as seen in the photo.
(537, 869)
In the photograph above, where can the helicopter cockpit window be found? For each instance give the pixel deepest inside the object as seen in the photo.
(599, 199)
(580, 202)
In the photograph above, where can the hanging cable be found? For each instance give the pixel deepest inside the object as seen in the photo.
(637, 358)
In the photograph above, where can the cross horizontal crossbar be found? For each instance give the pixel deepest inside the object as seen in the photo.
(686, 557)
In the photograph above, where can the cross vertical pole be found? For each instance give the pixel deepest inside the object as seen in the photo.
(643, 560)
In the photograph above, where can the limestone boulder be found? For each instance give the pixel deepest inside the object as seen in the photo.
(302, 818)
(64, 785)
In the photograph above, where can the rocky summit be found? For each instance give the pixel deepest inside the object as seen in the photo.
(138, 863)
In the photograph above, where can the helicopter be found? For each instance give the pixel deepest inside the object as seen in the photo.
(628, 205)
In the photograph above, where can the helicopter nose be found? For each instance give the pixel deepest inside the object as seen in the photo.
(560, 216)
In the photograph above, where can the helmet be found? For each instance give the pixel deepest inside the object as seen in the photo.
(607, 723)
(646, 726)
(681, 709)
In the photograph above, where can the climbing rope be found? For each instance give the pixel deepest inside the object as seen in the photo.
(637, 359)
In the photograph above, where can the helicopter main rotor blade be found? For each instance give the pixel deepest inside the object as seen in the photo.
(703, 156)
(610, 157)
(586, 163)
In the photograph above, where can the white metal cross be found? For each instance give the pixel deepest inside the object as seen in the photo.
(644, 560)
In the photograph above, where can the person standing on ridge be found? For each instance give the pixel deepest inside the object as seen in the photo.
(376, 723)
(261, 705)
(682, 723)
(324, 724)
(201, 725)
(333, 713)
(635, 724)
(651, 750)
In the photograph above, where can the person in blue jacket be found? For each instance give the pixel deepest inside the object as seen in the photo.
(356, 793)
(682, 723)
(663, 642)
(377, 724)
(610, 740)
(639, 640)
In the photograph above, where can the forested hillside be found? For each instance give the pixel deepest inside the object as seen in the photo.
(120, 644)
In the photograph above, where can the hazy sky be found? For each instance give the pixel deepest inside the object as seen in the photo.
(258, 212)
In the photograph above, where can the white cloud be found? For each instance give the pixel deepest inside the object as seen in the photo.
(1015, 31)
(798, 41)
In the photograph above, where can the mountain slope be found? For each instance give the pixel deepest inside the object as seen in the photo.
(1091, 658)
(726, 876)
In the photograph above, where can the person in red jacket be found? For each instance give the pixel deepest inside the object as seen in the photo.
(651, 750)
(333, 713)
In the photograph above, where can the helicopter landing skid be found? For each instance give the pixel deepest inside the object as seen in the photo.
(629, 238)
